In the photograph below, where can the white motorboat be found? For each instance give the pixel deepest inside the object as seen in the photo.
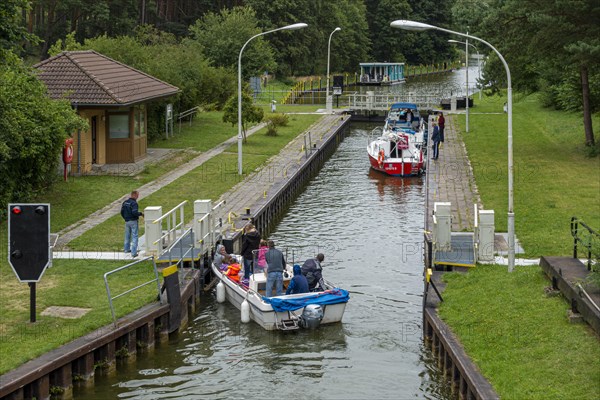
(285, 312)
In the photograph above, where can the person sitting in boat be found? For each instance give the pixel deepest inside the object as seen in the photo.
(298, 284)
(312, 270)
(233, 272)
(221, 259)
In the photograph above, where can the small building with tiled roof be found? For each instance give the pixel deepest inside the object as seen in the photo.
(112, 97)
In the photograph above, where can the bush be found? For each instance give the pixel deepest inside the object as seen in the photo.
(271, 129)
(278, 119)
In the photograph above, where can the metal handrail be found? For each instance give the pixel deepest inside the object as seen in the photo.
(110, 298)
(171, 231)
(179, 242)
(592, 234)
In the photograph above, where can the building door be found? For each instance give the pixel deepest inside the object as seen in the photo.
(94, 140)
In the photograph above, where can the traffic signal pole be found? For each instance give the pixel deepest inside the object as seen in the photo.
(31, 301)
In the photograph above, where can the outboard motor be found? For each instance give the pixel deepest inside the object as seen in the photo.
(311, 316)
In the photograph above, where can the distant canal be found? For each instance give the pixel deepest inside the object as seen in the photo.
(370, 229)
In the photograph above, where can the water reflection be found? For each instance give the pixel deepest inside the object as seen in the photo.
(370, 228)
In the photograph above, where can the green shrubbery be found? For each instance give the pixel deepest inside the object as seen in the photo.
(32, 132)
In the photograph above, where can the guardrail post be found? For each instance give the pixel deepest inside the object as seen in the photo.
(442, 225)
(153, 230)
(486, 235)
(201, 226)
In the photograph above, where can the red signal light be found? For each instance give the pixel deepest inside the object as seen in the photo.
(17, 210)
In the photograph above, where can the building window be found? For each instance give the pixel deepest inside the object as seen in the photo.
(118, 126)
(140, 120)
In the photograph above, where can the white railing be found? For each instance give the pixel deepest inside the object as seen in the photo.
(207, 227)
(382, 102)
(173, 223)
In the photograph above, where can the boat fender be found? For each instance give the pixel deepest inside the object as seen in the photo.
(380, 158)
(220, 292)
(245, 311)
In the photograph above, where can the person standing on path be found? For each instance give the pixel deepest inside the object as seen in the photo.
(250, 242)
(435, 138)
(442, 124)
(276, 265)
(131, 215)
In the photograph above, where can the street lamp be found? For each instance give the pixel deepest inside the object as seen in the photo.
(478, 58)
(328, 101)
(289, 28)
(419, 27)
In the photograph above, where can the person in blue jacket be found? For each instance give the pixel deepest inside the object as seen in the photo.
(131, 215)
(298, 284)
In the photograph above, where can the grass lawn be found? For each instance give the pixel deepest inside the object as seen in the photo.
(519, 338)
(209, 181)
(554, 178)
(77, 198)
(73, 283)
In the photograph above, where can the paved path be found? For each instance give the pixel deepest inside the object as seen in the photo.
(251, 192)
(79, 228)
(451, 179)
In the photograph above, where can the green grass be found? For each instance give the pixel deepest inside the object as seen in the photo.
(80, 196)
(519, 338)
(79, 283)
(554, 178)
(209, 181)
(73, 283)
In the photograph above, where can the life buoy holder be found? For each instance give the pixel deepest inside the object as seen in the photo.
(380, 158)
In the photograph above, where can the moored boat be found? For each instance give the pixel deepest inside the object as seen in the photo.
(381, 73)
(285, 312)
(398, 148)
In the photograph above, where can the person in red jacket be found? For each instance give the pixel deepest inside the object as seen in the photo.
(441, 124)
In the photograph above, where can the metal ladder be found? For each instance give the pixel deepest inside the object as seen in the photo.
(290, 324)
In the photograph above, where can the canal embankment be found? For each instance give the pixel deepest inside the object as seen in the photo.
(518, 331)
(77, 362)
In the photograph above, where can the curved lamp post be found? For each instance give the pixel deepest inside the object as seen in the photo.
(419, 27)
(288, 27)
(478, 58)
(328, 101)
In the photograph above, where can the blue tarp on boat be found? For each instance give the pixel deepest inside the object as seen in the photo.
(333, 296)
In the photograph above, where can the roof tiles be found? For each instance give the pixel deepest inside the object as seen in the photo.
(90, 78)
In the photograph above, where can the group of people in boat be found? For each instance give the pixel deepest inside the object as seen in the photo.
(271, 261)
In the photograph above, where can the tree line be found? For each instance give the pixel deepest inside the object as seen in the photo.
(552, 47)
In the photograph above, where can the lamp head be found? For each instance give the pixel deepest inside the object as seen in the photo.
(410, 25)
(292, 27)
(454, 41)
(337, 29)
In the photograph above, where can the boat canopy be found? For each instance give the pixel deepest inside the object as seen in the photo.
(396, 106)
(333, 296)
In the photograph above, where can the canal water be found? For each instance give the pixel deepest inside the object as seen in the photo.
(370, 228)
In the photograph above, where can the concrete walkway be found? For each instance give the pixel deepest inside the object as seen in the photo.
(451, 180)
(80, 227)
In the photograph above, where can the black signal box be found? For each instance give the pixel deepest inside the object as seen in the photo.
(29, 240)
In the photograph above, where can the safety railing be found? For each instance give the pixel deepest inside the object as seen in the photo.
(185, 250)
(114, 271)
(188, 114)
(209, 227)
(169, 235)
(588, 238)
(382, 102)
